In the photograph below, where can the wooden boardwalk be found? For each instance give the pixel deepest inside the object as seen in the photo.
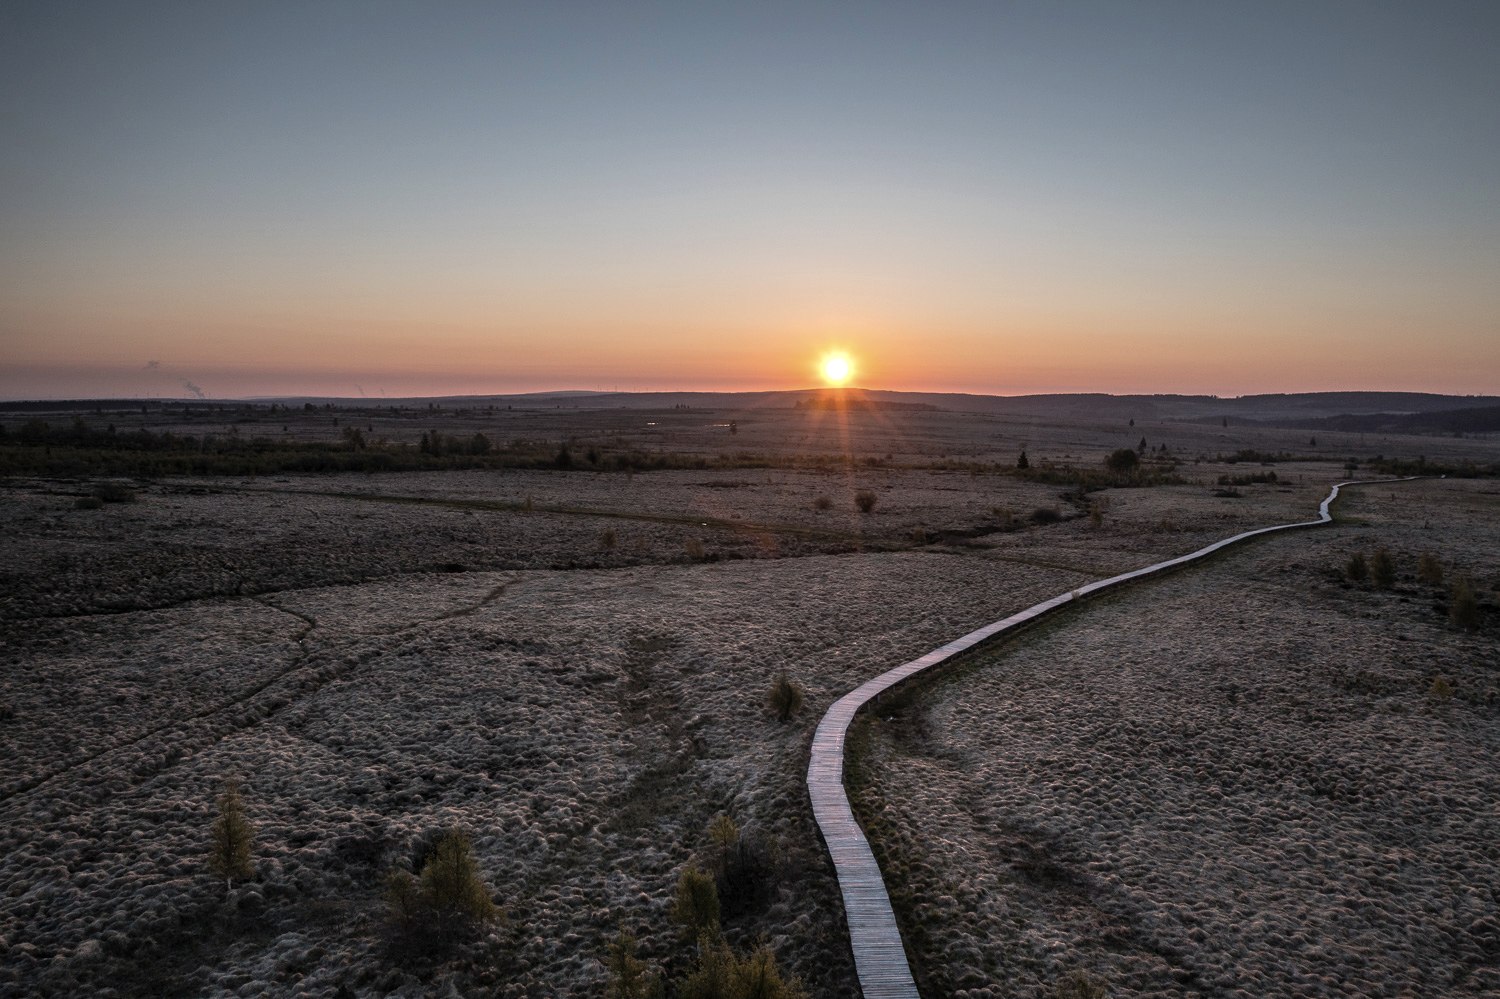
(879, 956)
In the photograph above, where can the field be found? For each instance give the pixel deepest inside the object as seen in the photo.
(572, 665)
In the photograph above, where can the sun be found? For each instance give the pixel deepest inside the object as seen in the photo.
(836, 368)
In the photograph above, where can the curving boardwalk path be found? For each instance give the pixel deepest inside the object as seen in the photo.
(879, 957)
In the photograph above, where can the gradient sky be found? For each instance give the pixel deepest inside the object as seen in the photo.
(417, 198)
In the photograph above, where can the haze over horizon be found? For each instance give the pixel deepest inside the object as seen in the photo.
(386, 199)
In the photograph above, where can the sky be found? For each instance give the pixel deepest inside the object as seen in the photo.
(263, 198)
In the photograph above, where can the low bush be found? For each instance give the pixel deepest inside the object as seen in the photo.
(629, 976)
(88, 503)
(1430, 569)
(114, 492)
(785, 697)
(822, 503)
(864, 500)
(721, 974)
(1047, 514)
(1357, 569)
(1463, 604)
(1383, 569)
(1078, 985)
(608, 539)
(449, 901)
(1441, 691)
(693, 549)
(696, 907)
(1122, 461)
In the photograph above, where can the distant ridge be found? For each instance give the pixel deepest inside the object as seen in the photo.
(1283, 409)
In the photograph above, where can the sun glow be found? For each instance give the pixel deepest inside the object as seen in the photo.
(836, 368)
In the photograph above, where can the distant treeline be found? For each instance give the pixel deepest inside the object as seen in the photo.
(1478, 420)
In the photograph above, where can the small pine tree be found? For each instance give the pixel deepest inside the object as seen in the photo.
(785, 697)
(696, 908)
(629, 976)
(1358, 570)
(1383, 569)
(451, 882)
(1021, 462)
(229, 855)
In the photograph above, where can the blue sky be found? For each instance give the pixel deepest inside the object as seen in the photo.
(985, 197)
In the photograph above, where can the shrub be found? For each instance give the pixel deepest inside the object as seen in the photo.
(693, 549)
(1078, 985)
(88, 503)
(785, 697)
(449, 899)
(1430, 569)
(722, 975)
(1383, 569)
(114, 492)
(629, 977)
(1441, 691)
(1046, 515)
(1122, 461)
(696, 908)
(864, 500)
(746, 872)
(229, 852)
(1096, 514)
(1463, 605)
(822, 503)
(1005, 517)
(1357, 569)
(451, 882)
(608, 539)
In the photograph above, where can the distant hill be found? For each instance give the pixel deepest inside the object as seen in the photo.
(1474, 420)
(1382, 409)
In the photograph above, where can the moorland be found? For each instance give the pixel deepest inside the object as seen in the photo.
(555, 627)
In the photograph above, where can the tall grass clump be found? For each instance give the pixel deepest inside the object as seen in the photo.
(1463, 604)
(785, 697)
(1430, 569)
(1383, 569)
(1357, 569)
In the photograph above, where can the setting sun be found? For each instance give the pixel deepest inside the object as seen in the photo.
(837, 368)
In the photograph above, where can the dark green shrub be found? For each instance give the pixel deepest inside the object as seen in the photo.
(722, 975)
(229, 850)
(1357, 569)
(88, 503)
(822, 503)
(608, 539)
(1441, 691)
(114, 492)
(1430, 569)
(629, 976)
(1078, 985)
(785, 697)
(1463, 604)
(1046, 515)
(448, 901)
(864, 500)
(1383, 569)
(696, 907)
(1122, 461)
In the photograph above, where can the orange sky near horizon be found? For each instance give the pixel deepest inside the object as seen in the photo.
(332, 200)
